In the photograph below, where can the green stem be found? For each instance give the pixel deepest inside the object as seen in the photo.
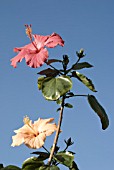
(54, 68)
(45, 149)
(65, 149)
(57, 132)
(77, 95)
(67, 71)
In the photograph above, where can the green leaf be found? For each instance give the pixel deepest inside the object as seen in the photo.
(40, 80)
(52, 61)
(65, 158)
(32, 163)
(49, 72)
(84, 80)
(58, 109)
(53, 88)
(68, 105)
(42, 155)
(82, 65)
(11, 167)
(48, 167)
(74, 166)
(99, 110)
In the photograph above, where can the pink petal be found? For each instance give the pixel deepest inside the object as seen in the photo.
(22, 53)
(18, 58)
(40, 40)
(28, 46)
(54, 40)
(38, 59)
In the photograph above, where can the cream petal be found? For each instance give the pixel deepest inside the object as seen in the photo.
(43, 123)
(18, 139)
(35, 142)
(49, 129)
(26, 129)
(39, 140)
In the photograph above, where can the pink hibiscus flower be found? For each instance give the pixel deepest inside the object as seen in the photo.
(34, 134)
(35, 53)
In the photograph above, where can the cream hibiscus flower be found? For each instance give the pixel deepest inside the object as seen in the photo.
(34, 134)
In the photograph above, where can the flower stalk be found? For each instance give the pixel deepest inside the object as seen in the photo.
(57, 131)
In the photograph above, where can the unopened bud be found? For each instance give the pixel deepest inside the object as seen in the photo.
(80, 54)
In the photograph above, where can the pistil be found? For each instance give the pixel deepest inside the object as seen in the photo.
(29, 33)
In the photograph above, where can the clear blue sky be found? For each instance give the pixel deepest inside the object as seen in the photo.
(87, 24)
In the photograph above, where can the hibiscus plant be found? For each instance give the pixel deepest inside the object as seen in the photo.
(55, 85)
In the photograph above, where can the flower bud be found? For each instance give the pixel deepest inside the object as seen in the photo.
(80, 54)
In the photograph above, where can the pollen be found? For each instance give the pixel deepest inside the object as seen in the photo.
(26, 120)
(28, 30)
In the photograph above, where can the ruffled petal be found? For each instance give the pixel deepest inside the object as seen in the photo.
(28, 46)
(40, 40)
(26, 129)
(54, 40)
(18, 58)
(49, 129)
(23, 51)
(42, 123)
(46, 127)
(18, 139)
(35, 142)
(38, 59)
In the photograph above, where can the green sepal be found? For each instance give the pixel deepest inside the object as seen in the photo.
(32, 163)
(69, 143)
(49, 167)
(80, 54)
(52, 88)
(68, 105)
(82, 65)
(84, 80)
(99, 110)
(65, 158)
(59, 101)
